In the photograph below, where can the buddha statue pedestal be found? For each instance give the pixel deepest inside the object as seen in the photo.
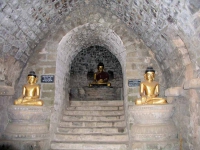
(153, 127)
(96, 93)
(27, 124)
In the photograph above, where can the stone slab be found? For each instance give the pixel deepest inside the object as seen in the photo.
(98, 103)
(87, 146)
(95, 108)
(91, 138)
(94, 113)
(92, 124)
(94, 118)
(91, 130)
(6, 90)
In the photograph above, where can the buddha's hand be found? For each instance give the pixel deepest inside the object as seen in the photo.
(100, 81)
(144, 99)
(20, 100)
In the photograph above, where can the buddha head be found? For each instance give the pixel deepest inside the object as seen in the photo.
(32, 78)
(149, 74)
(100, 67)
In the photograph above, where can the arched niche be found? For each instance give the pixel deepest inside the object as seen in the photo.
(71, 44)
(82, 70)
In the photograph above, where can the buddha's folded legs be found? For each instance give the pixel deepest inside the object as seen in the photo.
(35, 103)
(150, 101)
(28, 102)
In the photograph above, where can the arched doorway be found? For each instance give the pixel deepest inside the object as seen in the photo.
(82, 37)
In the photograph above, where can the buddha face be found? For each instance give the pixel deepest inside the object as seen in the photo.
(100, 68)
(150, 76)
(31, 79)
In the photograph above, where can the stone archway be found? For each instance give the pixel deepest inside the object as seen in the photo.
(72, 43)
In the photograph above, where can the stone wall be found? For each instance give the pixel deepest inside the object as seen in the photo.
(55, 58)
(164, 34)
(87, 60)
(5, 101)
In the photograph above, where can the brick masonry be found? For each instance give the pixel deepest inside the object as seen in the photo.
(140, 33)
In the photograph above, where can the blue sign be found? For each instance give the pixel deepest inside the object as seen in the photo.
(47, 78)
(134, 82)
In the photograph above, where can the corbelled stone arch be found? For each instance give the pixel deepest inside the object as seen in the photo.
(106, 31)
(71, 44)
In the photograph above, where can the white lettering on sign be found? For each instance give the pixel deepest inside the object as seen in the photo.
(47, 78)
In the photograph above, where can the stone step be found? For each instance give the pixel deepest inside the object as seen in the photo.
(87, 146)
(94, 113)
(92, 130)
(90, 138)
(93, 118)
(97, 103)
(92, 124)
(95, 108)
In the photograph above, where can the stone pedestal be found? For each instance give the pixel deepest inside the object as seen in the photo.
(27, 123)
(153, 128)
(96, 93)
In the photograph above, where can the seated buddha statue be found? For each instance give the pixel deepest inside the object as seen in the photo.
(149, 89)
(30, 93)
(100, 77)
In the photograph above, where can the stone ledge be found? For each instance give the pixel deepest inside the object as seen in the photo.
(192, 84)
(6, 90)
(89, 146)
(174, 91)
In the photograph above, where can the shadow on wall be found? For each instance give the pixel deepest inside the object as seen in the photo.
(10, 147)
(7, 147)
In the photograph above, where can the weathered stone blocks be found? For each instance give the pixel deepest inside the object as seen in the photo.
(6, 90)
(174, 91)
(192, 84)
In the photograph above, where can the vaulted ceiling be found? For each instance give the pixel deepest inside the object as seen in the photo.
(171, 28)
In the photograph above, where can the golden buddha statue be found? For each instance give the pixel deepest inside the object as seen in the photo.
(149, 89)
(30, 93)
(100, 77)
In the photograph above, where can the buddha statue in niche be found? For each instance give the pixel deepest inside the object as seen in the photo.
(30, 93)
(149, 90)
(100, 77)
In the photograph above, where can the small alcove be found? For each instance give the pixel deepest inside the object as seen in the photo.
(83, 67)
